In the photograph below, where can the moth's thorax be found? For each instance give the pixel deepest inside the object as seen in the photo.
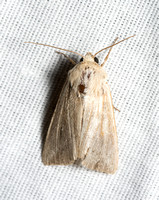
(88, 78)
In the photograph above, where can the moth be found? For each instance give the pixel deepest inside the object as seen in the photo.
(83, 124)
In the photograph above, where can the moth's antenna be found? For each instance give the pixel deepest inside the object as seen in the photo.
(113, 44)
(55, 48)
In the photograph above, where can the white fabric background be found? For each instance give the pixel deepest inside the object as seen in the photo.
(32, 77)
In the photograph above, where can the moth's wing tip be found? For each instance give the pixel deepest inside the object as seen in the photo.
(58, 163)
(106, 169)
(46, 164)
(47, 161)
(44, 160)
(111, 171)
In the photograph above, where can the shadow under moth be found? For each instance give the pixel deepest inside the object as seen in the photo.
(83, 124)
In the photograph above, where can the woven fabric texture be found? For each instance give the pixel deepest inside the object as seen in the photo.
(31, 80)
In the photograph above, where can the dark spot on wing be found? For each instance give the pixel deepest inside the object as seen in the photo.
(81, 88)
(88, 76)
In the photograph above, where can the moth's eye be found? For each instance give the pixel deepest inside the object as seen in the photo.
(81, 59)
(96, 60)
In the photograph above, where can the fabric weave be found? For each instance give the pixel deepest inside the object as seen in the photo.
(31, 80)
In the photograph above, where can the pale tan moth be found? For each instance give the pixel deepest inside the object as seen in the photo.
(83, 124)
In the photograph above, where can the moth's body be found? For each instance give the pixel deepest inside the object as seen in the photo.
(83, 124)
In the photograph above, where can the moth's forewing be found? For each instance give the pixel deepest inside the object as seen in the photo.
(59, 143)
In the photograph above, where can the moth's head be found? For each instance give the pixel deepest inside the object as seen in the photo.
(89, 57)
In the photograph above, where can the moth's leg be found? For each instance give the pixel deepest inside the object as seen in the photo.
(106, 58)
(72, 61)
(116, 109)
